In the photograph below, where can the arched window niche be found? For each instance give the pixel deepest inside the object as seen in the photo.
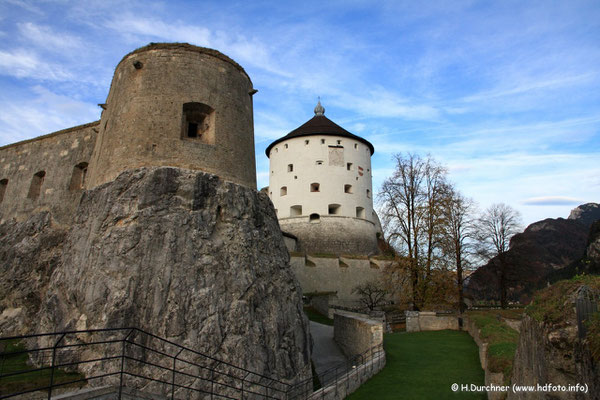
(36, 185)
(198, 123)
(3, 185)
(78, 177)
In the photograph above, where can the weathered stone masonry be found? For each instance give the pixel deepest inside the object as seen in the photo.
(170, 104)
(61, 158)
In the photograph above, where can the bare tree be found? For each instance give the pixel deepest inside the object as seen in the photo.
(371, 294)
(410, 205)
(459, 232)
(496, 226)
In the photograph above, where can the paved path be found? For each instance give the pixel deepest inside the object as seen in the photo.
(326, 353)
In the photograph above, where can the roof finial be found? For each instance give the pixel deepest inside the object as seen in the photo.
(319, 109)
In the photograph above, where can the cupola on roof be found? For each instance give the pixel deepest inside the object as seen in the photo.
(320, 125)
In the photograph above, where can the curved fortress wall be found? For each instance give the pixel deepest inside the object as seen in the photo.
(170, 104)
(177, 105)
(321, 187)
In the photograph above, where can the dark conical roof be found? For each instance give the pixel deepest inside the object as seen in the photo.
(320, 125)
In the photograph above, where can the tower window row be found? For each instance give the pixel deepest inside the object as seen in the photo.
(286, 146)
(316, 187)
(332, 209)
(349, 166)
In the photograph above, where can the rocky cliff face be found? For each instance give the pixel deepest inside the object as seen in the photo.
(553, 355)
(30, 252)
(592, 252)
(550, 349)
(586, 214)
(178, 253)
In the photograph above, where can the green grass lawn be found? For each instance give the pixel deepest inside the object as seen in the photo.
(423, 365)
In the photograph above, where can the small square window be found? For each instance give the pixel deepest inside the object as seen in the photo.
(339, 142)
(306, 142)
(349, 166)
(290, 167)
(322, 141)
(315, 187)
(285, 146)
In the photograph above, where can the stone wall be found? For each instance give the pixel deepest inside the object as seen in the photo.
(417, 321)
(491, 378)
(338, 274)
(59, 155)
(356, 335)
(553, 354)
(333, 234)
(322, 302)
(145, 121)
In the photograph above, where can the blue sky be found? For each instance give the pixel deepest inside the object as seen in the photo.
(506, 94)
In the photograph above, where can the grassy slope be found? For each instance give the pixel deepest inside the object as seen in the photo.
(423, 365)
(502, 339)
(553, 305)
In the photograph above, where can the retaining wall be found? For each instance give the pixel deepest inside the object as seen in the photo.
(417, 321)
(495, 378)
(355, 334)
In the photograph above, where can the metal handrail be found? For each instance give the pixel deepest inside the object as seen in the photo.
(235, 379)
(304, 388)
(223, 380)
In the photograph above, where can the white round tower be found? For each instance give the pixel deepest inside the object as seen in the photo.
(320, 184)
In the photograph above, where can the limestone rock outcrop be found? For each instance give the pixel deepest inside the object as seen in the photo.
(586, 214)
(30, 252)
(551, 349)
(179, 253)
(592, 252)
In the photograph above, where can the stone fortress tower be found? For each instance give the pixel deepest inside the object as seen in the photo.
(320, 184)
(169, 104)
(178, 105)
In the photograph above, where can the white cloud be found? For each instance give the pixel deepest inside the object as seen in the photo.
(47, 38)
(46, 113)
(248, 51)
(552, 201)
(22, 63)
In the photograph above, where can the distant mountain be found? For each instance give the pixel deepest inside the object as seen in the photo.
(545, 251)
(586, 214)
